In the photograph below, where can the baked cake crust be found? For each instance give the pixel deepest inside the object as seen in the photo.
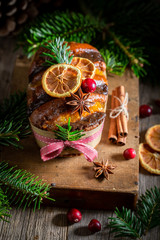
(45, 111)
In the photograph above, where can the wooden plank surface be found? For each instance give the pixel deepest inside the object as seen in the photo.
(73, 177)
(50, 222)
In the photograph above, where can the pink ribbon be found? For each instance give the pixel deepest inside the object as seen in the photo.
(54, 147)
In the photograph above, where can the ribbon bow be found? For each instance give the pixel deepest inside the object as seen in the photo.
(54, 147)
(122, 108)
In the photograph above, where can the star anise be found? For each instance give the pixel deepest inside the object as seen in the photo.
(80, 102)
(103, 168)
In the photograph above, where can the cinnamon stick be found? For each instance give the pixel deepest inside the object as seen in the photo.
(121, 141)
(118, 129)
(118, 118)
(122, 126)
(112, 134)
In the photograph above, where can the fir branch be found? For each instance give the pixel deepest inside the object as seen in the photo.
(69, 25)
(127, 53)
(148, 209)
(79, 28)
(131, 57)
(14, 123)
(4, 207)
(22, 187)
(135, 225)
(126, 224)
(66, 134)
(112, 63)
(60, 50)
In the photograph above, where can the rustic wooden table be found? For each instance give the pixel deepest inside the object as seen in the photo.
(50, 223)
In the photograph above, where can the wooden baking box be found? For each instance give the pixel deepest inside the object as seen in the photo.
(73, 178)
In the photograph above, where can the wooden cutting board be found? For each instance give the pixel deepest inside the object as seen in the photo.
(73, 178)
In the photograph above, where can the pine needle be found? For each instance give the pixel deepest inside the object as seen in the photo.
(66, 134)
(14, 124)
(59, 52)
(126, 224)
(127, 53)
(22, 187)
(148, 209)
(69, 25)
(4, 207)
(126, 22)
(112, 64)
(135, 225)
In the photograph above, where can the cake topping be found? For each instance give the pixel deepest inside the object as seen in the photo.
(80, 102)
(61, 80)
(66, 133)
(64, 78)
(88, 85)
(103, 168)
(58, 52)
(85, 65)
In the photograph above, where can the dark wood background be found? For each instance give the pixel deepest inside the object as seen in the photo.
(50, 223)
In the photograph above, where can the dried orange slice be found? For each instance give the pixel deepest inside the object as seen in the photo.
(152, 137)
(149, 159)
(85, 65)
(61, 79)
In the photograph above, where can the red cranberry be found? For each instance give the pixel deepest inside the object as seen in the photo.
(74, 215)
(94, 226)
(88, 85)
(129, 153)
(145, 111)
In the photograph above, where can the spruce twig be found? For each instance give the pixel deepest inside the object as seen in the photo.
(59, 52)
(126, 224)
(69, 25)
(132, 58)
(75, 27)
(126, 53)
(22, 187)
(14, 124)
(148, 209)
(112, 63)
(66, 134)
(125, 21)
(4, 207)
(135, 225)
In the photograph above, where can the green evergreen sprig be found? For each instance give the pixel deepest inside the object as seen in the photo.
(66, 134)
(60, 50)
(135, 225)
(116, 28)
(69, 25)
(127, 53)
(14, 124)
(80, 28)
(4, 207)
(112, 63)
(126, 224)
(22, 187)
(148, 209)
(132, 20)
